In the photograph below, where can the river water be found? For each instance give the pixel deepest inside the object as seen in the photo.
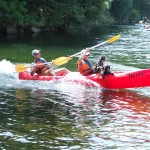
(50, 115)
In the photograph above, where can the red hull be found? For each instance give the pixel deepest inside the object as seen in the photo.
(120, 80)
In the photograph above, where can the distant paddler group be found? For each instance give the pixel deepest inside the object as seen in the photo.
(144, 23)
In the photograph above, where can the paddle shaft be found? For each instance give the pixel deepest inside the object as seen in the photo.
(90, 48)
(38, 64)
(43, 63)
(21, 67)
(62, 60)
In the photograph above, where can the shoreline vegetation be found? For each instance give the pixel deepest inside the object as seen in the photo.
(34, 16)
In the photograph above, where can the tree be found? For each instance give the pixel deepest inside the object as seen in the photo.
(53, 14)
(121, 10)
(11, 13)
(143, 6)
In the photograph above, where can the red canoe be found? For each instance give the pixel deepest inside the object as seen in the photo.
(119, 80)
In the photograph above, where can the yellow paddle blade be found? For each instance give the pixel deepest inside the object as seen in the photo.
(20, 68)
(61, 60)
(114, 38)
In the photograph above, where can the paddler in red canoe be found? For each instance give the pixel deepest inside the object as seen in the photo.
(41, 67)
(85, 67)
(44, 68)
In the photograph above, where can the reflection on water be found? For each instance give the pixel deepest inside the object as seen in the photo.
(58, 119)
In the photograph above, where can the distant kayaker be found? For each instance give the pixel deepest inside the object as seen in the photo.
(41, 67)
(84, 66)
(145, 20)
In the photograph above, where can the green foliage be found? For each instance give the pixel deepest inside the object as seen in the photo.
(12, 12)
(54, 14)
(68, 14)
(121, 10)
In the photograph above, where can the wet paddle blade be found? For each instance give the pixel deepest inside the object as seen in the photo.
(20, 68)
(114, 38)
(110, 40)
(61, 60)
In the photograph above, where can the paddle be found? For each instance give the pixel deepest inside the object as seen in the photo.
(62, 60)
(22, 67)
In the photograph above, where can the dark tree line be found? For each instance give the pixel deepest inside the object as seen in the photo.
(65, 15)
(126, 11)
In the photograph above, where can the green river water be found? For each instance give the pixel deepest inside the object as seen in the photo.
(42, 115)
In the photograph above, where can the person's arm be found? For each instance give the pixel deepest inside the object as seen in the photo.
(52, 64)
(32, 70)
(82, 56)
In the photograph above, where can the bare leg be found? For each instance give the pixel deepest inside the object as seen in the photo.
(61, 71)
(49, 72)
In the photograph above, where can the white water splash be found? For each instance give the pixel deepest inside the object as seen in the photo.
(8, 76)
(7, 68)
(9, 79)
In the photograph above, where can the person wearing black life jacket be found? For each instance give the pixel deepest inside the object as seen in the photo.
(84, 66)
(100, 67)
(41, 68)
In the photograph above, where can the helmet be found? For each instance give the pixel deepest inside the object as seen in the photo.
(35, 51)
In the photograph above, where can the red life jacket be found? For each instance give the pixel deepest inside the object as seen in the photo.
(84, 68)
(40, 69)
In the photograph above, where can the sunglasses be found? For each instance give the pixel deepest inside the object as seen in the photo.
(36, 54)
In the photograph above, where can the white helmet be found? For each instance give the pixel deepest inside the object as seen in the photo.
(35, 51)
